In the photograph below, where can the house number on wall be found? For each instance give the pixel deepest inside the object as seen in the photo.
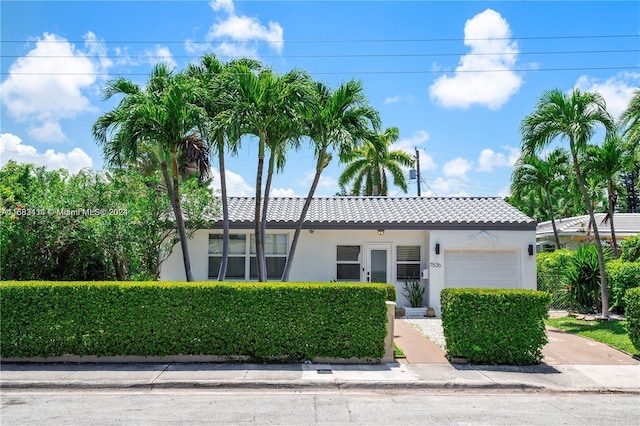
(435, 265)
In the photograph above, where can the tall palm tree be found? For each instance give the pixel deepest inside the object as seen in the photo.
(573, 117)
(162, 116)
(371, 162)
(631, 120)
(543, 177)
(211, 78)
(605, 163)
(337, 120)
(270, 107)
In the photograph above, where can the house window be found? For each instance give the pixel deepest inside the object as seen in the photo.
(241, 263)
(348, 263)
(275, 250)
(407, 263)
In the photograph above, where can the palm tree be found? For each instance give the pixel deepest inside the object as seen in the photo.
(270, 107)
(371, 162)
(543, 177)
(162, 116)
(338, 119)
(631, 120)
(605, 163)
(573, 117)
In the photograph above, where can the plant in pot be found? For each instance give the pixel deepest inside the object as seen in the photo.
(414, 292)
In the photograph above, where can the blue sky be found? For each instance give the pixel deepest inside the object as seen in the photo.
(455, 77)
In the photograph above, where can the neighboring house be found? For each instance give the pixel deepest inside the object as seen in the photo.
(574, 231)
(441, 241)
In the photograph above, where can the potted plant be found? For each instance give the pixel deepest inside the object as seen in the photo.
(414, 292)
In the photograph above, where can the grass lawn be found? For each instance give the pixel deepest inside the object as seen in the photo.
(612, 333)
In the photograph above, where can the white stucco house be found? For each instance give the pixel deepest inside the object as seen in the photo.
(441, 241)
(574, 231)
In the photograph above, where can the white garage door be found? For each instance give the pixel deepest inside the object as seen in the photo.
(481, 268)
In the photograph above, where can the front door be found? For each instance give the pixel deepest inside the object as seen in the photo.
(378, 263)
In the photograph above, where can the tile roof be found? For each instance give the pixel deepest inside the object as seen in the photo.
(398, 212)
(625, 224)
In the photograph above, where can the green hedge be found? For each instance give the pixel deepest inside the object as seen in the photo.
(494, 326)
(632, 299)
(621, 276)
(285, 321)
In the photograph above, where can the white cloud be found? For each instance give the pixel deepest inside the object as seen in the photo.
(616, 91)
(392, 100)
(458, 168)
(488, 37)
(12, 148)
(236, 185)
(236, 35)
(325, 182)
(49, 131)
(161, 54)
(283, 192)
(448, 187)
(489, 158)
(48, 84)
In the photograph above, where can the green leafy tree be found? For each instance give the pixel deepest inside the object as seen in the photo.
(542, 177)
(573, 117)
(368, 165)
(163, 116)
(631, 121)
(337, 120)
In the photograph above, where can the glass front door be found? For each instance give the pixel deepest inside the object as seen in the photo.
(378, 263)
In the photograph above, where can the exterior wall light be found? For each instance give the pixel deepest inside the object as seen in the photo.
(380, 231)
(530, 249)
(437, 248)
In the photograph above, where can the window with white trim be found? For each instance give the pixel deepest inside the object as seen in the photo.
(407, 263)
(348, 263)
(241, 263)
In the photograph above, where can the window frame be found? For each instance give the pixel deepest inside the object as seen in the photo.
(408, 262)
(349, 262)
(248, 254)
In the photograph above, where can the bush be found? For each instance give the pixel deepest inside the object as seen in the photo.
(551, 273)
(631, 249)
(286, 321)
(632, 300)
(414, 292)
(494, 326)
(621, 276)
(583, 279)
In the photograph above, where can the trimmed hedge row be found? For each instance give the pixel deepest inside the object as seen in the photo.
(632, 300)
(494, 326)
(283, 321)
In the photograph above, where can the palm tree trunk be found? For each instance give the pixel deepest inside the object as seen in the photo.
(603, 274)
(553, 221)
(222, 273)
(258, 233)
(320, 165)
(612, 208)
(172, 190)
(265, 206)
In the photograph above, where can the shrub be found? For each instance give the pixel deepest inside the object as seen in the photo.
(551, 273)
(287, 321)
(631, 249)
(494, 326)
(621, 277)
(583, 279)
(414, 293)
(632, 300)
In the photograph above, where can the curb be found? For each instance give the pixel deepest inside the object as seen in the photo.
(310, 385)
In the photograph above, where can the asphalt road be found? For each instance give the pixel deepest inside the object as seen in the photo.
(331, 407)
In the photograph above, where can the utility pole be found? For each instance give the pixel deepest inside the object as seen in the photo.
(418, 170)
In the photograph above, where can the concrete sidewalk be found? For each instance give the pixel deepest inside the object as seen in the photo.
(570, 366)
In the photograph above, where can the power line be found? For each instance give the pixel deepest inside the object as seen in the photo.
(342, 56)
(98, 74)
(577, 37)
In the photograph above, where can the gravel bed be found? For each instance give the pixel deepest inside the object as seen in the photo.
(429, 327)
